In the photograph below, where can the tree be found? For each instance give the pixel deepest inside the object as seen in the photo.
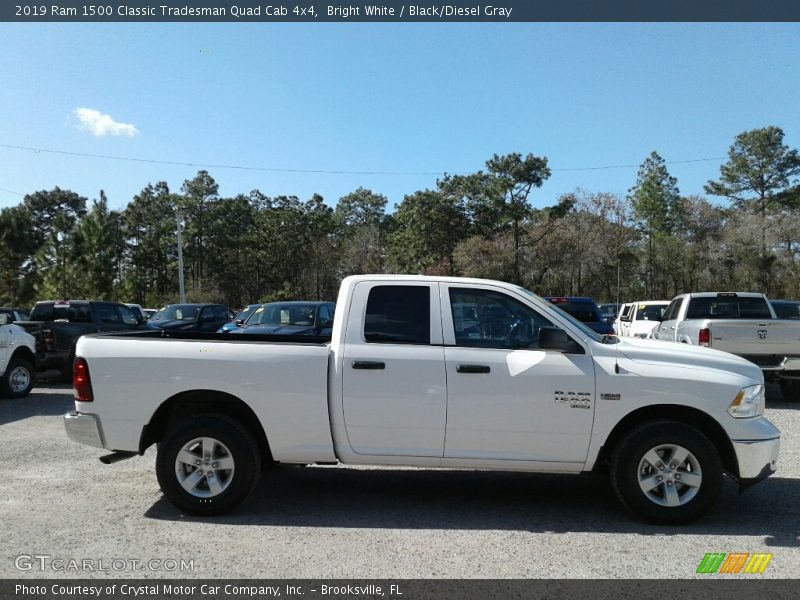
(655, 200)
(498, 199)
(361, 219)
(18, 246)
(761, 173)
(197, 194)
(428, 227)
(92, 253)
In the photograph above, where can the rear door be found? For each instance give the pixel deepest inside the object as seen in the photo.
(666, 331)
(508, 400)
(625, 319)
(394, 387)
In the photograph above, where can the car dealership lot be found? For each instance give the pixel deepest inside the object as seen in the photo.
(87, 519)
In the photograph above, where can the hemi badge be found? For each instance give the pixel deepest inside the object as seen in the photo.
(610, 397)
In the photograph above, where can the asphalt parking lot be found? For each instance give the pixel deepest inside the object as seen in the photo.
(57, 500)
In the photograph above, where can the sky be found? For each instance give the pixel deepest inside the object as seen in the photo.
(406, 100)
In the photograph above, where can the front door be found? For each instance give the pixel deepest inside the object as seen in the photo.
(507, 400)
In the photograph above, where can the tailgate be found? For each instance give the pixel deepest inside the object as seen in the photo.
(777, 337)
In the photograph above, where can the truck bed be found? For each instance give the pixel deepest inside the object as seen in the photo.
(283, 379)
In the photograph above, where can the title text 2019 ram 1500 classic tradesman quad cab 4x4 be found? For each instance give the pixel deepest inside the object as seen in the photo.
(428, 372)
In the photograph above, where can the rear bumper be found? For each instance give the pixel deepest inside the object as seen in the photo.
(84, 429)
(758, 459)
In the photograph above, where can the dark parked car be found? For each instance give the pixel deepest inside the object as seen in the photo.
(240, 319)
(191, 317)
(291, 318)
(57, 325)
(786, 309)
(609, 312)
(583, 309)
(16, 314)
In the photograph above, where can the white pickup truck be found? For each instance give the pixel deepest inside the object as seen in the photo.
(428, 372)
(17, 352)
(742, 323)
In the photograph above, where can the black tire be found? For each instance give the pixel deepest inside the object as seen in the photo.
(628, 464)
(19, 378)
(237, 483)
(790, 389)
(66, 369)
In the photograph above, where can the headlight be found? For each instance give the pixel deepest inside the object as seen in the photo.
(749, 402)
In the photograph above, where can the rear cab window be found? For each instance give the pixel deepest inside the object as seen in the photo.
(728, 307)
(52, 311)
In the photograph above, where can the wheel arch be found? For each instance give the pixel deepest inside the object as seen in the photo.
(702, 421)
(25, 352)
(203, 401)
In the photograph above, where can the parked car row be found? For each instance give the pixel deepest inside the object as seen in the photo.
(54, 326)
(287, 318)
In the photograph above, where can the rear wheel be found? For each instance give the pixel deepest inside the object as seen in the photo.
(666, 472)
(18, 379)
(208, 465)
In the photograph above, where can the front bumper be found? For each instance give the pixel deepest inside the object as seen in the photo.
(84, 429)
(758, 459)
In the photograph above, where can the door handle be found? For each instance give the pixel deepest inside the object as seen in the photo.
(369, 365)
(473, 369)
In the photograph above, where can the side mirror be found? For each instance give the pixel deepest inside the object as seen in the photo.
(3, 319)
(239, 322)
(553, 338)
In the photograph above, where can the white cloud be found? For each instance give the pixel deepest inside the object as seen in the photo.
(99, 124)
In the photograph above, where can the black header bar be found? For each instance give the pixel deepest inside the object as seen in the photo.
(401, 11)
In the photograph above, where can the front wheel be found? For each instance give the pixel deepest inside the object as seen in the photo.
(18, 379)
(666, 472)
(208, 465)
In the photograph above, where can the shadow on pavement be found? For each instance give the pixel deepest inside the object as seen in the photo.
(481, 500)
(53, 400)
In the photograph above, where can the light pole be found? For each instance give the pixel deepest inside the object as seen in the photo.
(62, 260)
(182, 298)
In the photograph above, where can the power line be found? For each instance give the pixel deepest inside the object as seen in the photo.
(668, 162)
(213, 166)
(11, 192)
(317, 171)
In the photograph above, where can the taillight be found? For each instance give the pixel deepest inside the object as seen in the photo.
(48, 339)
(81, 383)
(704, 338)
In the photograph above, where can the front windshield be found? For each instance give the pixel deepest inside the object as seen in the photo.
(284, 314)
(248, 310)
(590, 333)
(177, 312)
(650, 312)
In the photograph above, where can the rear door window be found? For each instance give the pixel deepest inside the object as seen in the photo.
(398, 314)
